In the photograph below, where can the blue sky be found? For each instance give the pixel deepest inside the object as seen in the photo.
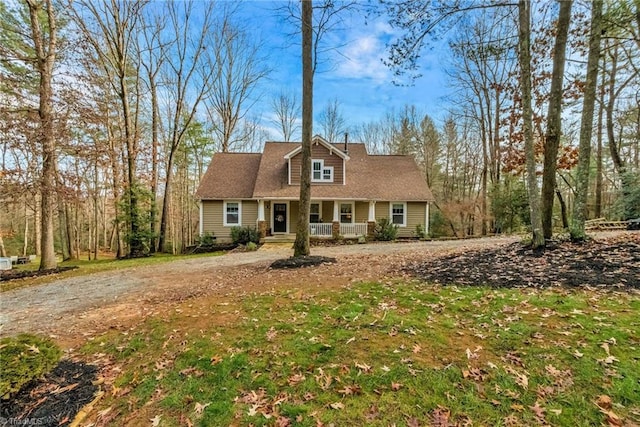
(353, 74)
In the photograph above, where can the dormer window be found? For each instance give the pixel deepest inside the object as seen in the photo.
(320, 172)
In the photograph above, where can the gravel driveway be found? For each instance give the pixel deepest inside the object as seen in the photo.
(49, 308)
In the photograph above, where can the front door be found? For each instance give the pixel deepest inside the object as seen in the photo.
(279, 217)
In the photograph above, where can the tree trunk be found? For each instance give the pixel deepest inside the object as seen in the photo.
(155, 124)
(45, 57)
(524, 57)
(563, 210)
(586, 125)
(599, 174)
(3, 251)
(301, 245)
(62, 230)
(554, 116)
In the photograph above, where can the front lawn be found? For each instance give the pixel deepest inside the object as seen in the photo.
(396, 353)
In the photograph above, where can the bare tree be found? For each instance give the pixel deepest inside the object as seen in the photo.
(331, 121)
(586, 125)
(554, 116)
(187, 82)
(45, 48)
(287, 111)
(524, 57)
(238, 66)
(152, 51)
(301, 244)
(110, 29)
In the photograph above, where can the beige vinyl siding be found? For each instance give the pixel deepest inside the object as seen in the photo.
(319, 152)
(415, 216)
(362, 211)
(382, 210)
(327, 211)
(212, 217)
(249, 213)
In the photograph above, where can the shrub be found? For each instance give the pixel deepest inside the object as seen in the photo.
(206, 239)
(24, 358)
(251, 246)
(385, 230)
(244, 235)
(420, 232)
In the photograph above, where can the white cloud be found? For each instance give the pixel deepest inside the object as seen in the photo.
(361, 59)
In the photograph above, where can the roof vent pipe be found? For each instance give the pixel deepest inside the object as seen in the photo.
(346, 141)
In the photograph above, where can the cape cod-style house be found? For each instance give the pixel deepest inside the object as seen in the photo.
(350, 191)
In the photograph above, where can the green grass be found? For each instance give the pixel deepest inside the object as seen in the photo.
(85, 267)
(384, 354)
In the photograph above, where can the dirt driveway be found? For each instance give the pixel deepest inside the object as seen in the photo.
(73, 308)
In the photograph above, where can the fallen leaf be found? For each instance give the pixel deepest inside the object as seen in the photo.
(349, 390)
(396, 386)
(604, 402)
(363, 367)
(372, 413)
(199, 408)
(337, 405)
(577, 354)
(417, 348)
(32, 348)
(538, 410)
(155, 421)
(296, 379)
(215, 360)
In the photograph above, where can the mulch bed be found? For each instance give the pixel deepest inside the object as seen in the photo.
(611, 263)
(7, 275)
(304, 261)
(53, 400)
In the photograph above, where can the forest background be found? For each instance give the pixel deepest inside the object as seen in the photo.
(111, 111)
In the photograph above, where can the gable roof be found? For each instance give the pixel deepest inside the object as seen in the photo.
(259, 176)
(318, 140)
(230, 176)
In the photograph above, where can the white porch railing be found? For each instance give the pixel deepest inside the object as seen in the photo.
(320, 230)
(326, 229)
(357, 229)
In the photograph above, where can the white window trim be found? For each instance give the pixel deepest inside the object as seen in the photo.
(404, 213)
(323, 168)
(224, 213)
(353, 212)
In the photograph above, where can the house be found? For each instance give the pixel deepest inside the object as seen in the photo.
(350, 191)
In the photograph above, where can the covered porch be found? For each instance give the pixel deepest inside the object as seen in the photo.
(328, 218)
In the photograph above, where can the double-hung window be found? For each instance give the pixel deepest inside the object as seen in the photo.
(399, 214)
(346, 213)
(320, 172)
(314, 217)
(232, 213)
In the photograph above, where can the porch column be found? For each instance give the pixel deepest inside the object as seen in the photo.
(372, 211)
(426, 219)
(335, 226)
(262, 224)
(201, 219)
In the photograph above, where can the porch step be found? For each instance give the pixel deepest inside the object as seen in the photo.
(277, 246)
(280, 238)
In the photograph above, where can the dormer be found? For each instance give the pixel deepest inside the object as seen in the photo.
(328, 163)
